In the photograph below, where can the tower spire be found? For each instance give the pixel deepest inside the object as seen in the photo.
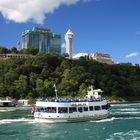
(69, 43)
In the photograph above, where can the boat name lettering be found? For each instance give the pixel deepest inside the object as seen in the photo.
(78, 104)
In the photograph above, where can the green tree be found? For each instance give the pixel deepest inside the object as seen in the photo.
(21, 87)
(14, 50)
(11, 76)
(39, 87)
(3, 50)
(31, 50)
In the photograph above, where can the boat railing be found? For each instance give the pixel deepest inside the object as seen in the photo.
(71, 100)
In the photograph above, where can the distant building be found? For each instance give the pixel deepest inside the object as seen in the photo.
(78, 55)
(69, 43)
(43, 39)
(19, 56)
(100, 57)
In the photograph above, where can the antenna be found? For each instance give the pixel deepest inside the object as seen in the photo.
(55, 90)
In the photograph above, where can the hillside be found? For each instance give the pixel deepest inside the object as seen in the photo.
(35, 77)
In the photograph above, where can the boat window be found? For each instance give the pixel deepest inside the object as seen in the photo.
(62, 110)
(72, 109)
(85, 108)
(47, 109)
(80, 109)
(53, 110)
(39, 109)
(91, 108)
(104, 106)
(97, 108)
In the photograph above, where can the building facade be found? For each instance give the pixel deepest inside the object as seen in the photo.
(69, 43)
(43, 39)
(12, 55)
(101, 57)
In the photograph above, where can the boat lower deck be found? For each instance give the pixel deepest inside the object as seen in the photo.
(77, 119)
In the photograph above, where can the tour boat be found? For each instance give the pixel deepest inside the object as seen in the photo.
(92, 107)
(7, 102)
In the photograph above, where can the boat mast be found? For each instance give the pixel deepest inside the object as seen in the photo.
(55, 90)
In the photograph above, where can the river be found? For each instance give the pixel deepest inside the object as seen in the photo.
(123, 123)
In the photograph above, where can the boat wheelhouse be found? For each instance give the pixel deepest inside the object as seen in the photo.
(93, 107)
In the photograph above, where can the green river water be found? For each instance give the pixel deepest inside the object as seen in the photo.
(123, 123)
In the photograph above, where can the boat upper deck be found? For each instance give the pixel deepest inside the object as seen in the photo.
(70, 100)
(92, 97)
(69, 103)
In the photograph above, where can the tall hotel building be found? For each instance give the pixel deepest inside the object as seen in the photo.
(43, 39)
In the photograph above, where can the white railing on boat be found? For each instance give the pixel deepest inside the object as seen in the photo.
(70, 100)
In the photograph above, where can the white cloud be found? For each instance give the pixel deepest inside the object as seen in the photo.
(34, 10)
(134, 54)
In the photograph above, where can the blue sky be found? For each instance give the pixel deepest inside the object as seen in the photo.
(108, 26)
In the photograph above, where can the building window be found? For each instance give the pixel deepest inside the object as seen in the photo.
(104, 107)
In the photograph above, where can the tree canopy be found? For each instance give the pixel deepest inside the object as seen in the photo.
(35, 77)
(3, 50)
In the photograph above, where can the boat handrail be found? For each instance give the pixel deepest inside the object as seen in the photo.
(73, 100)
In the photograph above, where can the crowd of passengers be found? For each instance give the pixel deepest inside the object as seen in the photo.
(73, 100)
(52, 110)
(47, 109)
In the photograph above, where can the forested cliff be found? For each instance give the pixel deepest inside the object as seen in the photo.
(35, 77)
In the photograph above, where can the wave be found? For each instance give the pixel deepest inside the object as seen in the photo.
(115, 118)
(129, 104)
(127, 118)
(7, 109)
(132, 134)
(31, 121)
(125, 112)
(106, 120)
(20, 120)
(128, 109)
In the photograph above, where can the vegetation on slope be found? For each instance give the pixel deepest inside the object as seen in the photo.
(35, 77)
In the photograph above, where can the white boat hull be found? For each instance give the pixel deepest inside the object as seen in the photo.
(74, 119)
